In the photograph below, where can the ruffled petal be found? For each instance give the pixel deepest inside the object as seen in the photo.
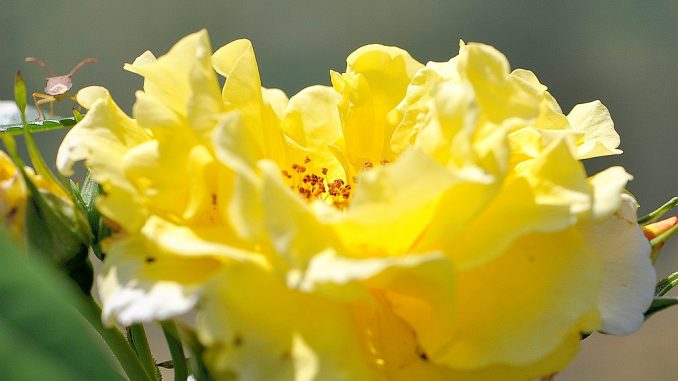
(535, 293)
(168, 78)
(498, 96)
(393, 205)
(599, 137)
(242, 92)
(158, 273)
(375, 81)
(102, 139)
(306, 340)
(548, 196)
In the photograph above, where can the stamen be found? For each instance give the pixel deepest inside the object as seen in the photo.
(315, 186)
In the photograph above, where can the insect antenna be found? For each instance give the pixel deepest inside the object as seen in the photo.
(81, 64)
(42, 65)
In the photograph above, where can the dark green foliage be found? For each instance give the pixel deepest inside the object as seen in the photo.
(42, 335)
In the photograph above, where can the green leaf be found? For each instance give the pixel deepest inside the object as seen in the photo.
(20, 94)
(88, 193)
(42, 336)
(86, 198)
(77, 115)
(38, 126)
(665, 285)
(660, 303)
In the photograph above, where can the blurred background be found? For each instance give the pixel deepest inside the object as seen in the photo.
(624, 53)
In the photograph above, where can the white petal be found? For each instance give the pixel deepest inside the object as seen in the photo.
(628, 274)
(129, 299)
(607, 186)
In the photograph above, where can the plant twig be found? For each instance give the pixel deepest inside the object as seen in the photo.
(137, 338)
(169, 328)
(116, 342)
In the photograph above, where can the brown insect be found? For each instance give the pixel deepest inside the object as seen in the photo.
(57, 85)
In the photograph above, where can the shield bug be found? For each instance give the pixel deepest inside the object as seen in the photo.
(57, 85)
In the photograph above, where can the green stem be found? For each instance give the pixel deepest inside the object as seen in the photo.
(176, 349)
(197, 366)
(665, 285)
(116, 342)
(653, 216)
(137, 337)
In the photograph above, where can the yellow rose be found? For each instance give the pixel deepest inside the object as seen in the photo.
(414, 235)
(411, 221)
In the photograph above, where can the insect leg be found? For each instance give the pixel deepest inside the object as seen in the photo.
(41, 99)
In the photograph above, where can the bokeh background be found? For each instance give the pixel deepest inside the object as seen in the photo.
(624, 53)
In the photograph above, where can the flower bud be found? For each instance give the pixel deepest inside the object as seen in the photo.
(39, 214)
(659, 232)
(56, 228)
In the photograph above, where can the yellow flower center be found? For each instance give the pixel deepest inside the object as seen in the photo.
(316, 186)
